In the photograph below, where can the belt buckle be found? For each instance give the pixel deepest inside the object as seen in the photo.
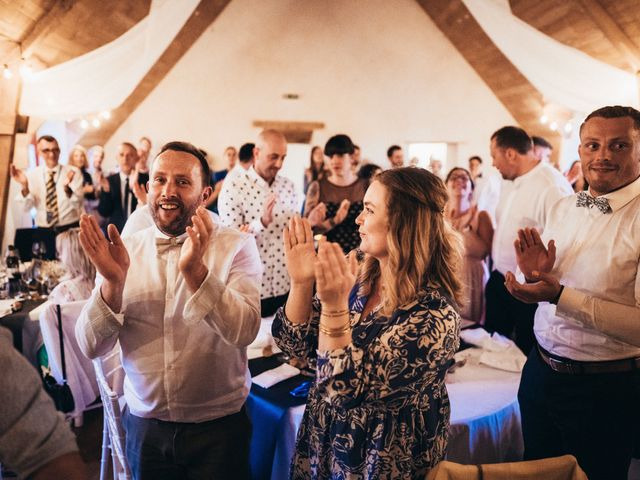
(555, 364)
(564, 367)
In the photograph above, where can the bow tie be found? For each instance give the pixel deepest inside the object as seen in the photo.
(586, 200)
(164, 244)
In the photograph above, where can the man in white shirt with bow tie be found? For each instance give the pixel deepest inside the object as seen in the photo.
(580, 388)
(182, 297)
(54, 190)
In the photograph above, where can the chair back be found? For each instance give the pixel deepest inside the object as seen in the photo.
(81, 376)
(557, 468)
(110, 377)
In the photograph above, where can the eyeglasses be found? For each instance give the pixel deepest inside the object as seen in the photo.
(50, 150)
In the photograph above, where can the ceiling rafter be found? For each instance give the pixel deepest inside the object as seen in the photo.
(47, 22)
(613, 32)
(513, 90)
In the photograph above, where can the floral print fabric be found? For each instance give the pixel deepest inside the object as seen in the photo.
(379, 407)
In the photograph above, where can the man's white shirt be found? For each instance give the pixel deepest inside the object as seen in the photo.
(69, 208)
(184, 353)
(525, 203)
(598, 261)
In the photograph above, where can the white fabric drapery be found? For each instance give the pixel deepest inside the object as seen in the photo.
(564, 75)
(103, 78)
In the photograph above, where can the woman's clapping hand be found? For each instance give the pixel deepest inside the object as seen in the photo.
(335, 275)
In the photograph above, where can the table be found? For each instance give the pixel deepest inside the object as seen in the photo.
(485, 418)
(26, 333)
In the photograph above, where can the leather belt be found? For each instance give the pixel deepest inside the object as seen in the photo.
(573, 367)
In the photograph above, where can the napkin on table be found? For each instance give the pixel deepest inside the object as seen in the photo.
(5, 307)
(497, 350)
(276, 375)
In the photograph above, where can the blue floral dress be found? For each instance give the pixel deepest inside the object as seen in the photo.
(379, 408)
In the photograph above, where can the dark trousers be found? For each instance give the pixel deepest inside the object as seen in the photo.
(217, 449)
(269, 306)
(508, 316)
(592, 417)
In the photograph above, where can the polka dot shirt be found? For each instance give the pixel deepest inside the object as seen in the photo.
(242, 202)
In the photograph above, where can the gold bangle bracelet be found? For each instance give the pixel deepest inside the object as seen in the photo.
(336, 332)
(334, 314)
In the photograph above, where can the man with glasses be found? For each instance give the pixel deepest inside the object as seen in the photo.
(54, 190)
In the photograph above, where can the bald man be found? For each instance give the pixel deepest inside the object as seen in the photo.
(263, 202)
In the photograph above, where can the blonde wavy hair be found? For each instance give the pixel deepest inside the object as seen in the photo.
(85, 160)
(72, 255)
(423, 248)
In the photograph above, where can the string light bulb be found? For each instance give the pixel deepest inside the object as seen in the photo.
(84, 124)
(106, 114)
(544, 119)
(95, 122)
(6, 72)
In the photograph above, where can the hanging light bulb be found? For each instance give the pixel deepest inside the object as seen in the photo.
(84, 124)
(544, 119)
(553, 126)
(95, 122)
(106, 114)
(6, 72)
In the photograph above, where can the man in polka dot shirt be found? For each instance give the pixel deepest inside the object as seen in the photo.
(262, 202)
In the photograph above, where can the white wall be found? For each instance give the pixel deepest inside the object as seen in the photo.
(379, 70)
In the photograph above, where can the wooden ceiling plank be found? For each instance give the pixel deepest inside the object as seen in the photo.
(512, 89)
(613, 32)
(44, 25)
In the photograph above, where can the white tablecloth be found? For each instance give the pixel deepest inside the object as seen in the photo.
(485, 419)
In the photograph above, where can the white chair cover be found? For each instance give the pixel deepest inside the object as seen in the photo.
(80, 373)
(110, 376)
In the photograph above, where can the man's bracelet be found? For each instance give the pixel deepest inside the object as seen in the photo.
(557, 299)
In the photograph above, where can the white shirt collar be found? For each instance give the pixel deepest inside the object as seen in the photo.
(619, 198)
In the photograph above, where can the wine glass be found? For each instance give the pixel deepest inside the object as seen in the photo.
(38, 249)
(35, 250)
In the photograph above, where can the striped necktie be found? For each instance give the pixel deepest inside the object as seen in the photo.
(127, 199)
(52, 200)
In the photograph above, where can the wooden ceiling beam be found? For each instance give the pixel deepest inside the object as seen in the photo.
(203, 16)
(44, 25)
(613, 32)
(513, 90)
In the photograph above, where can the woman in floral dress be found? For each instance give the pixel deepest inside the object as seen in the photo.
(382, 337)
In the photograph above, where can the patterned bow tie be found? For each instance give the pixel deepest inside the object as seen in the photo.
(586, 200)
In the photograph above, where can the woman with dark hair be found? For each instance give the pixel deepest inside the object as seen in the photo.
(382, 338)
(316, 170)
(337, 199)
(477, 232)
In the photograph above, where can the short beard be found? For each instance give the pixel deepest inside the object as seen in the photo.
(180, 224)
